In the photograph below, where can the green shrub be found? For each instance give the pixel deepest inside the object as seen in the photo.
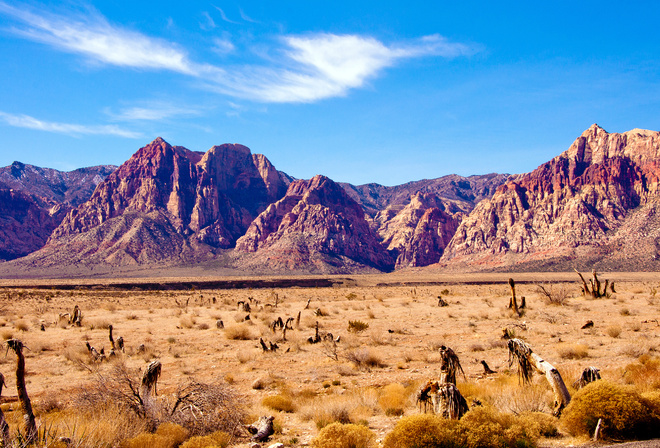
(279, 403)
(336, 435)
(424, 431)
(625, 413)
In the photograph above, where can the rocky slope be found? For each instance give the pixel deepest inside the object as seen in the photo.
(167, 204)
(49, 187)
(34, 200)
(316, 226)
(579, 206)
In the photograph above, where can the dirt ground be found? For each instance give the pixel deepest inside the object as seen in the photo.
(397, 329)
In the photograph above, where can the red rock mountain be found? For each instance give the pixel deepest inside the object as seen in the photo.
(213, 196)
(316, 226)
(34, 200)
(596, 204)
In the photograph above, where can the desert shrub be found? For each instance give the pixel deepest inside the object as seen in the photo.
(337, 435)
(645, 373)
(613, 331)
(424, 430)
(357, 326)
(187, 321)
(487, 427)
(241, 332)
(532, 398)
(218, 439)
(546, 423)
(22, 325)
(147, 440)
(173, 432)
(197, 407)
(393, 399)
(279, 403)
(364, 358)
(574, 351)
(625, 413)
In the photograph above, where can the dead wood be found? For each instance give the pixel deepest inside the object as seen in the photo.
(28, 416)
(96, 356)
(487, 370)
(317, 337)
(112, 341)
(424, 395)
(588, 324)
(4, 427)
(298, 319)
(262, 428)
(150, 378)
(307, 305)
(447, 401)
(289, 324)
(594, 291)
(450, 365)
(513, 303)
(442, 302)
(76, 317)
(589, 375)
(120, 343)
(219, 324)
(528, 361)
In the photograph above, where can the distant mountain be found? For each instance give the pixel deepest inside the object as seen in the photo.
(49, 187)
(34, 200)
(595, 205)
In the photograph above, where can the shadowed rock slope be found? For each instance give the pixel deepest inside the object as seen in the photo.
(596, 204)
(34, 200)
(315, 227)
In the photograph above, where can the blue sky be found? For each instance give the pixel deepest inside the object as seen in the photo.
(367, 91)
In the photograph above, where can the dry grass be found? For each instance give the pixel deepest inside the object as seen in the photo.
(376, 372)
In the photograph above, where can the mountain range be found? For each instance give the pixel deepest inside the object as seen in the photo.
(594, 205)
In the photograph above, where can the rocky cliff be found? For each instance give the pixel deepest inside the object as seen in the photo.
(574, 207)
(213, 196)
(316, 226)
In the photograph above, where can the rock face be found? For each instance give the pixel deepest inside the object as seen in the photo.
(576, 206)
(315, 226)
(418, 234)
(34, 200)
(24, 225)
(213, 195)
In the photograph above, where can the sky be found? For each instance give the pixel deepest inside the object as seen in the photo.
(359, 91)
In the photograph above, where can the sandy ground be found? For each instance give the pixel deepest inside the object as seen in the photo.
(400, 345)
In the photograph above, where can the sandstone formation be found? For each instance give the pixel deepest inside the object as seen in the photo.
(315, 226)
(212, 196)
(577, 206)
(419, 232)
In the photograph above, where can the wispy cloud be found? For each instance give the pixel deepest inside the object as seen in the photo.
(152, 111)
(321, 66)
(208, 23)
(224, 16)
(94, 37)
(298, 69)
(28, 122)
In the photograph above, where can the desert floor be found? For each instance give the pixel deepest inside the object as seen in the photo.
(406, 326)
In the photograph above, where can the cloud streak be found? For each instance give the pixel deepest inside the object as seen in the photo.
(28, 122)
(306, 68)
(94, 37)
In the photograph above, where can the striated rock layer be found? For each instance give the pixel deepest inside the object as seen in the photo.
(576, 206)
(315, 226)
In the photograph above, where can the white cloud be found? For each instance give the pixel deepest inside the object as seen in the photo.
(152, 111)
(28, 122)
(223, 46)
(224, 16)
(321, 66)
(297, 69)
(94, 37)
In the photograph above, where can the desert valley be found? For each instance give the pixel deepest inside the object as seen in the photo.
(329, 306)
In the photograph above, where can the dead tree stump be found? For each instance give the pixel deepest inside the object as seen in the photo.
(4, 427)
(28, 415)
(448, 402)
(589, 375)
(262, 428)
